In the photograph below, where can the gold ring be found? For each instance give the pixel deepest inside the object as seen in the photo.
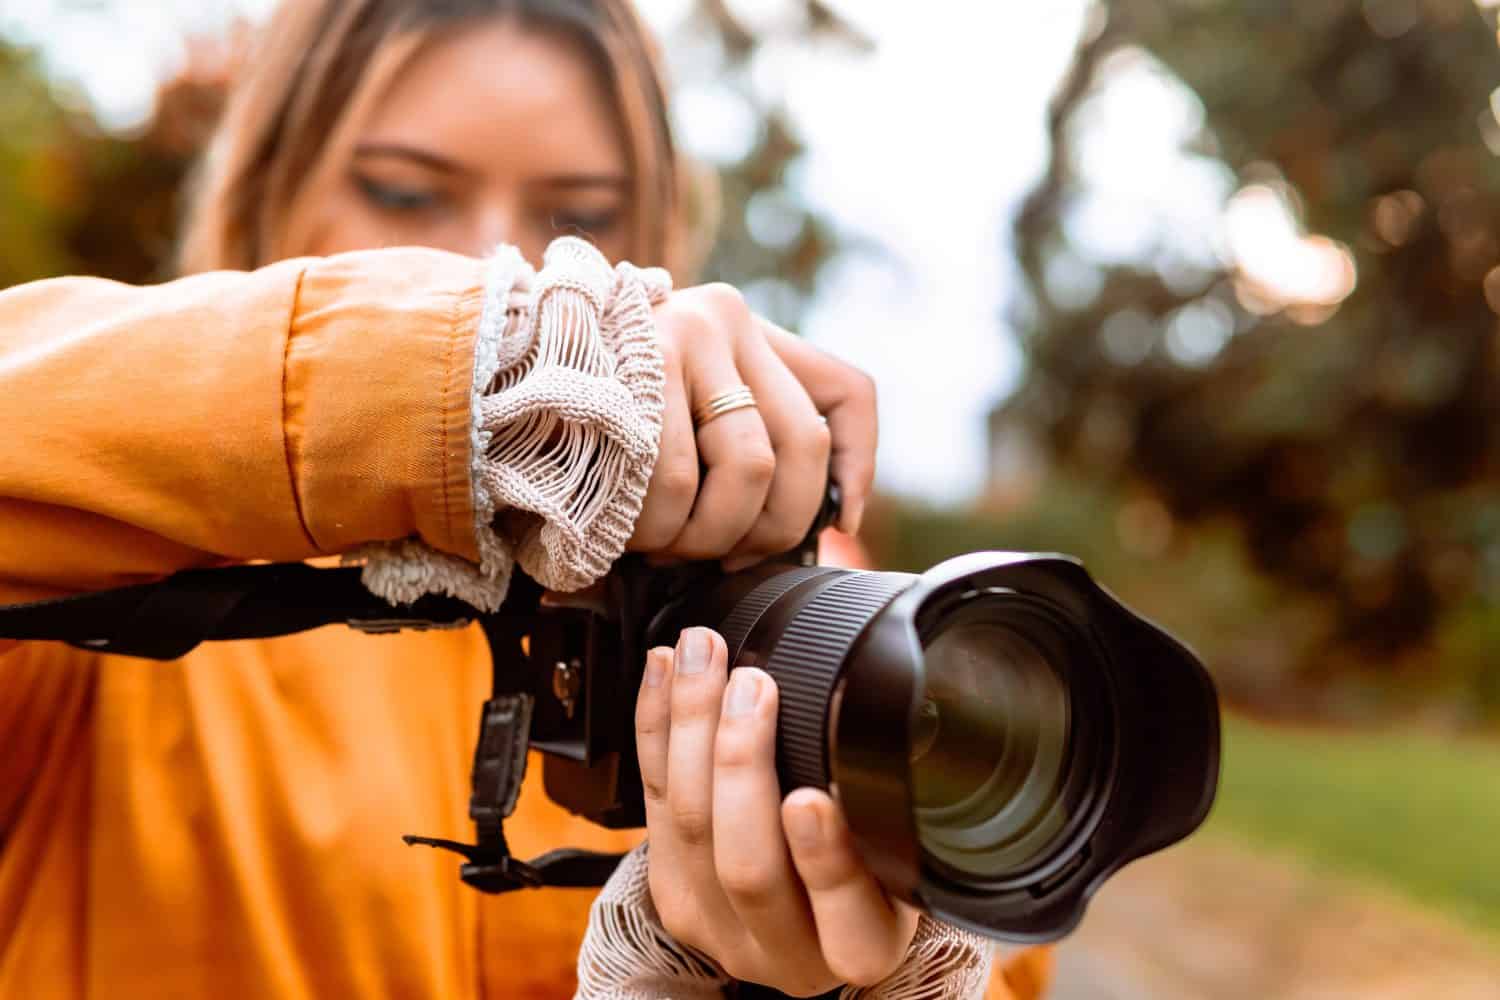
(738, 398)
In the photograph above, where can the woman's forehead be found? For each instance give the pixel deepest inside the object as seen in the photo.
(496, 97)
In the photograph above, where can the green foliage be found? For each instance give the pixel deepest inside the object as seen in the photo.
(77, 200)
(33, 189)
(1411, 811)
(1355, 449)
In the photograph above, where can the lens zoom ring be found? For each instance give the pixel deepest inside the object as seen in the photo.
(747, 612)
(805, 664)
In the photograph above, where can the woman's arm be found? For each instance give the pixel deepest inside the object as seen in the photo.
(298, 409)
(406, 396)
(301, 409)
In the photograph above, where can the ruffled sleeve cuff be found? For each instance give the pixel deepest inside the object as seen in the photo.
(566, 419)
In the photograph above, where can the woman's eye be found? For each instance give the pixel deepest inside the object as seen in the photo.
(591, 223)
(394, 197)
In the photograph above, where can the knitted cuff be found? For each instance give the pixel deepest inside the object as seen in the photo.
(942, 962)
(627, 953)
(567, 406)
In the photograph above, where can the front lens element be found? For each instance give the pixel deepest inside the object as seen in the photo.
(991, 745)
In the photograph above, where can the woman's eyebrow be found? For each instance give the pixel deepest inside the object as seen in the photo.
(573, 181)
(425, 157)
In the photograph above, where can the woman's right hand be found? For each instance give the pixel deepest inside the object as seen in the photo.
(748, 484)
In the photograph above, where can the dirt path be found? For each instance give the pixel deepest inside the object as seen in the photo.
(1212, 920)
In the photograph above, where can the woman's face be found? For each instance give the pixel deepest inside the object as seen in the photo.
(492, 133)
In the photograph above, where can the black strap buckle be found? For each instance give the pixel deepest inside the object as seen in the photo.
(487, 868)
(499, 767)
(502, 875)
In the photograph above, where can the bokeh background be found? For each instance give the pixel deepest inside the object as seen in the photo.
(1202, 291)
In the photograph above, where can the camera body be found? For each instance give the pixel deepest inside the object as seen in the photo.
(583, 656)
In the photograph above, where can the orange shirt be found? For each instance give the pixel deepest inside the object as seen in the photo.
(229, 824)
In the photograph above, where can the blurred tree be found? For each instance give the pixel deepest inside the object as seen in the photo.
(764, 237)
(1354, 436)
(79, 200)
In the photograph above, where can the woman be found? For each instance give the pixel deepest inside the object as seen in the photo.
(229, 823)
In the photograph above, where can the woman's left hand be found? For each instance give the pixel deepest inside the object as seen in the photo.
(772, 890)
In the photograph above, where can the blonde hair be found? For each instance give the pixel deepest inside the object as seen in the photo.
(319, 63)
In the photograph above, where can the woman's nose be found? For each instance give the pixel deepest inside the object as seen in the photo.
(493, 225)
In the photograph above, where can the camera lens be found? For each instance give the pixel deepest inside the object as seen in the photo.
(990, 747)
(1000, 733)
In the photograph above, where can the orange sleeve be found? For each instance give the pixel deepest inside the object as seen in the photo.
(301, 409)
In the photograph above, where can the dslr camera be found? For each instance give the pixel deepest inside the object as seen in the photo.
(1001, 733)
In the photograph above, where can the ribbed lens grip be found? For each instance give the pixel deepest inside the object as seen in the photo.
(805, 662)
(748, 611)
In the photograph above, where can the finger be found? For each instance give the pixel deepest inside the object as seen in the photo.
(846, 396)
(680, 901)
(801, 441)
(674, 479)
(676, 899)
(653, 719)
(750, 853)
(700, 664)
(739, 460)
(864, 935)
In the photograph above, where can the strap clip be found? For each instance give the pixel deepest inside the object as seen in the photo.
(385, 626)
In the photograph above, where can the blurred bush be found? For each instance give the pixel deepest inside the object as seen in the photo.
(1334, 399)
(79, 200)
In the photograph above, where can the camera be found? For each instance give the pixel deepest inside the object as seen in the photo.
(1001, 733)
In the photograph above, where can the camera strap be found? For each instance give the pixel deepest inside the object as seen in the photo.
(167, 619)
(499, 767)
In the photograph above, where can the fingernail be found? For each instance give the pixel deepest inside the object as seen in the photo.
(656, 666)
(693, 651)
(744, 691)
(802, 825)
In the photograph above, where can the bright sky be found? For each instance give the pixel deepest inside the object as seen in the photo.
(924, 147)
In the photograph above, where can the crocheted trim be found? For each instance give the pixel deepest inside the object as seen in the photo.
(401, 571)
(942, 962)
(627, 953)
(578, 420)
(567, 401)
